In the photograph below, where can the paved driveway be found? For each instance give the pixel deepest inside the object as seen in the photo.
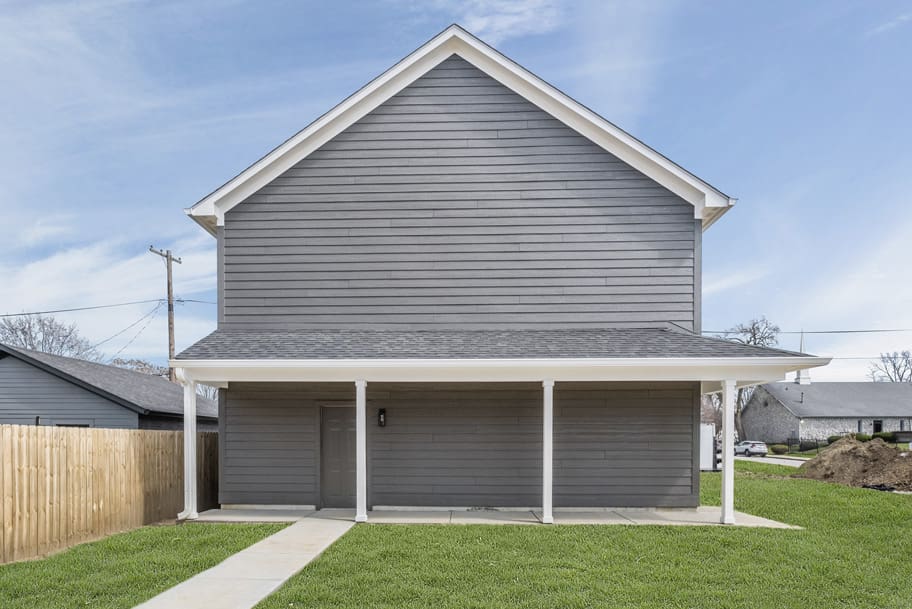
(774, 460)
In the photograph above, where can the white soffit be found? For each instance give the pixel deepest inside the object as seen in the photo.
(709, 203)
(753, 369)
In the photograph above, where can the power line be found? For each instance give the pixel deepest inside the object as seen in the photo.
(90, 308)
(113, 336)
(108, 306)
(135, 336)
(859, 357)
(866, 331)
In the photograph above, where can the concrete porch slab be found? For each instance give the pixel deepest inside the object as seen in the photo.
(494, 517)
(701, 516)
(253, 515)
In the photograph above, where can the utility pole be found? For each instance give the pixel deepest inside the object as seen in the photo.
(166, 254)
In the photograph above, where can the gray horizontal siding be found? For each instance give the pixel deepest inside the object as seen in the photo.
(459, 203)
(269, 441)
(616, 444)
(625, 445)
(27, 392)
(456, 445)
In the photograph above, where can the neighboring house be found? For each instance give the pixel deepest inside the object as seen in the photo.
(777, 412)
(460, 287)
(41, 389)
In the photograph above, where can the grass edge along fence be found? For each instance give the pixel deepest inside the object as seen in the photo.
(65, 485)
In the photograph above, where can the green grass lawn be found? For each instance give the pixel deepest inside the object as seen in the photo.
(854, 552)
(125, 569)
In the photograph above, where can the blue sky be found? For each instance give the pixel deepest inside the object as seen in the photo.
(117, 115)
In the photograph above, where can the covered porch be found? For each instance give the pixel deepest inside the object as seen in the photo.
(659, 386)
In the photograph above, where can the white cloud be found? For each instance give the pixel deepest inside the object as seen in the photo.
(104, 273)
(893, 23)
(867, 288)
(613, 48)
(729, 280)
(43, 230)
(497, 20)
(619, 47)
(85, 91)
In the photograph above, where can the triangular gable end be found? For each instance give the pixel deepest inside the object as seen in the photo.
(709, 203)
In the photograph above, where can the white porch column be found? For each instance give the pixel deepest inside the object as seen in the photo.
(548, 453)
(728, 452)
(189, 385)
(360, 451)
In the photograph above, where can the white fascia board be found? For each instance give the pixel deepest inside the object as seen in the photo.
(763, 369)
(708, 202)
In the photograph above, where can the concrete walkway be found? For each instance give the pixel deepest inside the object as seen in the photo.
(244, 579)
(701, 516)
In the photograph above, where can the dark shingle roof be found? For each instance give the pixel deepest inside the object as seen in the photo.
(466, 344)
(844, 399)
(142, 392)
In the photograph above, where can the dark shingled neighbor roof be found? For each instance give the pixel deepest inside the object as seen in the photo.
(853, 400)
(144, 392)
(234, 344)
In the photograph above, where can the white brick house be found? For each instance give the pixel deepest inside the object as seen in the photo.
(779, 411)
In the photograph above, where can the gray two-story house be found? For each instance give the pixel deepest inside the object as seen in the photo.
(461, 288)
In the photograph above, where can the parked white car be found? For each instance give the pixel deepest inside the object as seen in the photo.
(750, 448)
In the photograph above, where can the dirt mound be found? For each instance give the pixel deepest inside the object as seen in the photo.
(872, 464)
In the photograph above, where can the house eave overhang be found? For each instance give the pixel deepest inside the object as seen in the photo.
(709, 203)
(746, 370)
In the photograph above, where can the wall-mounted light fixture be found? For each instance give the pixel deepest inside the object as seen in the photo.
(381, 417)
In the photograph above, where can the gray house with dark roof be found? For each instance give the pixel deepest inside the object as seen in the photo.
(462, 288)
(777, 412)
(42, 389)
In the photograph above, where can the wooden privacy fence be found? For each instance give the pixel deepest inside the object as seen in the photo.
(65, 485)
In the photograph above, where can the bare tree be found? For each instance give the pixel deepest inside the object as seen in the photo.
(140, 365)
(207, 391)
(711, 410)
(147, 367)
(46, 334)
(758, 332)
(893, 367)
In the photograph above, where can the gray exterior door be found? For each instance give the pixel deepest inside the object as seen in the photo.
(337, 457)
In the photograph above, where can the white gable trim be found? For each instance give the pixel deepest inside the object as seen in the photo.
(709, 203)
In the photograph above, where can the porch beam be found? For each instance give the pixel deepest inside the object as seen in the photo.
(548, 453)
(729, 390)
(360, 451)
(190, 505)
